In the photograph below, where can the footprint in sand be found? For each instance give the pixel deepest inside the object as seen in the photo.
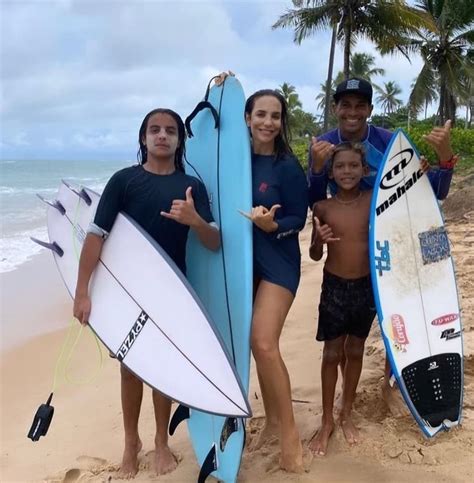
(91, 461)
(72, 475)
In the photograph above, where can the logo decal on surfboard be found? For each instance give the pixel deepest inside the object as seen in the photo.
(445, 319)
(382, 261)
(392, 176)
(449, 334)
(434, 245)
(399, 333)
(132, 335)
(395, 176)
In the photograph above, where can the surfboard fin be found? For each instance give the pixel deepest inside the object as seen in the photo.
(181, 413)
(209, 465)
(54, 204)
(231, 425)
(50, 246)
(81, 193)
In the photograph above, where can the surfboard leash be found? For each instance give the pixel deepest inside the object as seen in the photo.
(45, 412)
(229, 317)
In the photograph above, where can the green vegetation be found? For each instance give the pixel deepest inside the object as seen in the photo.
(462, 141)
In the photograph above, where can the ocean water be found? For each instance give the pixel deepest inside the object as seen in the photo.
(23, 214)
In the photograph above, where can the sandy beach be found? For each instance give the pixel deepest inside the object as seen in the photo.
(85, 440)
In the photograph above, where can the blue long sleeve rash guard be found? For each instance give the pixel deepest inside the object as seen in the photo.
(375, 143)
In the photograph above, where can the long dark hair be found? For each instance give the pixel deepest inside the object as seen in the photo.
(282, 141)
(180, 150)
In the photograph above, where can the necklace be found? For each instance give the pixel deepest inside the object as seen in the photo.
(348, 202)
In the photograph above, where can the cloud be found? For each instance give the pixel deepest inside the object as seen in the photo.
(78, 76)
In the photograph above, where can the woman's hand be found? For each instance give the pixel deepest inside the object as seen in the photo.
(263, 217)
(222, 76)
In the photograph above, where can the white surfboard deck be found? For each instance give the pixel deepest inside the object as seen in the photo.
(145, 311)
(415, 289)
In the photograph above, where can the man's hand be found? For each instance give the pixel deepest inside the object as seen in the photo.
(324, 232)
(183, 211)
(425, 166)
(263, 217)
(320, 151)
(439, 138)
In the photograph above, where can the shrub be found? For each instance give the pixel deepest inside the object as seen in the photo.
(300, 149)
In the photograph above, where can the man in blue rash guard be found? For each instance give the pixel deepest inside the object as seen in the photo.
(352, 107)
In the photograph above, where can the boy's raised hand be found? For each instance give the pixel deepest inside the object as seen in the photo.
(324, 232)
(183, 211)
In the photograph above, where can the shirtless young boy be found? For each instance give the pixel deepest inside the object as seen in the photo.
(346, 308)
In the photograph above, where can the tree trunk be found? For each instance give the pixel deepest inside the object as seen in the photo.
(471, 109)
(452, 109)
(327, 98)
(442, 102)
(347, 47)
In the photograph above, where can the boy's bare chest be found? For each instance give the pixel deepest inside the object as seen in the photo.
(348, 221)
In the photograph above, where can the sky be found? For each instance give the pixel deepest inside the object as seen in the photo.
(78, 76)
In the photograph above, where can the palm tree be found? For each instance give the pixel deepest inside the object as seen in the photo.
(291, 97)
(321, 97)
(388, 97)
(383, 22)
(362, 65)
(423, 94)
(293, 102)
(447, 52)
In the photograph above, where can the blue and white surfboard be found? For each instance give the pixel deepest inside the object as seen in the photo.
(415, 289)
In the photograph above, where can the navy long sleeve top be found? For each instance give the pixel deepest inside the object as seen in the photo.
(281, 181)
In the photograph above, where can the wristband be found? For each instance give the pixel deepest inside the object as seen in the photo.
(450, 163)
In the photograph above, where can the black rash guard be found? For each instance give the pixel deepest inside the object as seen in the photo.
(143, 195)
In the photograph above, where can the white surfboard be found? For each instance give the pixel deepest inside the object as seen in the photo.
(145, 311)
(415, 289)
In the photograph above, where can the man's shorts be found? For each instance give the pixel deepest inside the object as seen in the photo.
(346, 307)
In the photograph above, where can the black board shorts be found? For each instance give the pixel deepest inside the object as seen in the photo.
(346, 307)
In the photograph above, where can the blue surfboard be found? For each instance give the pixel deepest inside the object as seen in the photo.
(219, 154)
